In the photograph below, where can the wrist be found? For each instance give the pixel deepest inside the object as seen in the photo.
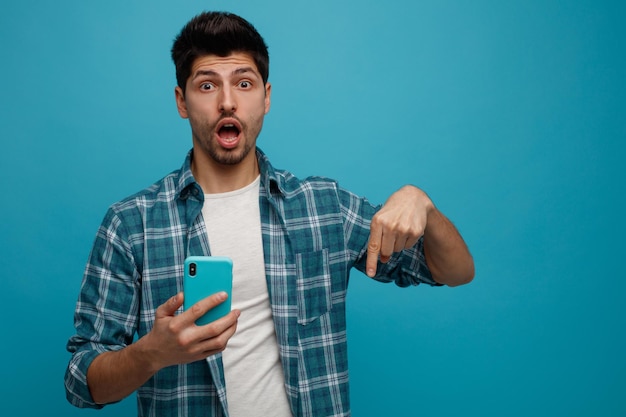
(146, 356)
(422, 199)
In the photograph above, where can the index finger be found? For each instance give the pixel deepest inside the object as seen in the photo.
(373, 249)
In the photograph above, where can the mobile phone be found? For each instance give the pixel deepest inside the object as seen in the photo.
(205, 276)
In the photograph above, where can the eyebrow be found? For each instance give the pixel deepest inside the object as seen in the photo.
(211, 73)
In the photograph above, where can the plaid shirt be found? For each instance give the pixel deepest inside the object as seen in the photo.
(313, 233)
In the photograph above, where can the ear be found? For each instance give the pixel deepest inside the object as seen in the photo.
(180, 102)
(268, 95)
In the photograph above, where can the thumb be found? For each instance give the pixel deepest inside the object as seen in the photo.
(169, 307)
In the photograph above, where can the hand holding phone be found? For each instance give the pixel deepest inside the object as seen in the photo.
(204, 276)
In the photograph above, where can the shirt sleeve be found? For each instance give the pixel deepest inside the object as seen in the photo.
(404, 268)
(106, 313)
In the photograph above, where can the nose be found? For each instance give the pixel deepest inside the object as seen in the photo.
(227, 103)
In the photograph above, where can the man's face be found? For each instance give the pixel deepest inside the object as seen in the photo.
(225, 101)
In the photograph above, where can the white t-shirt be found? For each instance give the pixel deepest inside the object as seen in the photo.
(255, 383)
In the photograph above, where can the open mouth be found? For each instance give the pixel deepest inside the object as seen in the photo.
(229, 133)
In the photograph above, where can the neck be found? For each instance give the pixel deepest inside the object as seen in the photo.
(214, 177)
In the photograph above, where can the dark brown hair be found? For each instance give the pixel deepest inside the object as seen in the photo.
(221, 34)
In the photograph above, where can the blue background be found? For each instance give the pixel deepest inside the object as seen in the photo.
(510, 114)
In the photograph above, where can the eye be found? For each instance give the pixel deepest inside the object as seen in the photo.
(207, 87)
(245, 84)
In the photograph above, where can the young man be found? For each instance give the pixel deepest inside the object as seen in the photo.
(282, 349)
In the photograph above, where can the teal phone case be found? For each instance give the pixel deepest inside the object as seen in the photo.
(205, 276)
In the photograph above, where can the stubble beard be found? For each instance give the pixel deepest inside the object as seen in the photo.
(209, 145)
(226, 156)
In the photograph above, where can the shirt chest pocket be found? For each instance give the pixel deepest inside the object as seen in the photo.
(313, 285)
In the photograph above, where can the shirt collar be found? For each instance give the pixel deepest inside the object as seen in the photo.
(270, 180)
(186, 182)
